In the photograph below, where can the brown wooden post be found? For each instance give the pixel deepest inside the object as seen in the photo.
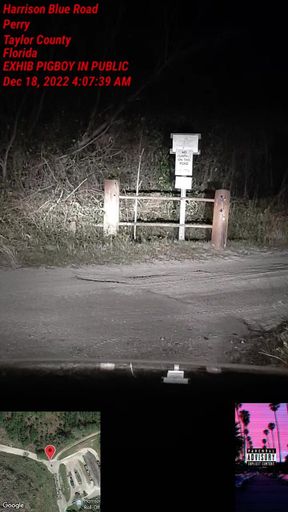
(220, 218)
(111, 206)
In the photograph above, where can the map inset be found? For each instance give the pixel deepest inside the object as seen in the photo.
(50, 461)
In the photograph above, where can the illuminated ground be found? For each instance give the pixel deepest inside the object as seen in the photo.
(197, 311)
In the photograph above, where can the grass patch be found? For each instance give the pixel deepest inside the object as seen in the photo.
(265, 347)
(26, 481)
(65, 488)
(46, 229)
(275, 345)
(262, 222)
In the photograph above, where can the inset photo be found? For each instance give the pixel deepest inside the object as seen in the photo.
(261, 457)
(50, 461)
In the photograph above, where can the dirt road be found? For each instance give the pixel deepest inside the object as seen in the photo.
(196, 311)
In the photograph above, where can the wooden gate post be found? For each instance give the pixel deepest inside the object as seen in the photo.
(220, 218)
(111, 206)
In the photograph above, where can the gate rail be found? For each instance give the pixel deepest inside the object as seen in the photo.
(219, 225)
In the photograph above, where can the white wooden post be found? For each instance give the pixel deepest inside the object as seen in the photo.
(111, 206)
(184, 146)
(182, 214)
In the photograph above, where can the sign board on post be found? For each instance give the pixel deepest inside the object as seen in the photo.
(183, 182)
(184, 145)
(188, 141)
(184, 163)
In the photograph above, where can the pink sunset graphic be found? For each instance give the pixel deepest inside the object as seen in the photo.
(264, 425)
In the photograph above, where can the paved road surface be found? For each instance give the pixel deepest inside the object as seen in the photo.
(262, 494)
(197, 311)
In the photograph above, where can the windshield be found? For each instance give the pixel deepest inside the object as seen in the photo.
(143, 214)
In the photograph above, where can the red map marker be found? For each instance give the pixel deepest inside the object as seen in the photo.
(50, 451)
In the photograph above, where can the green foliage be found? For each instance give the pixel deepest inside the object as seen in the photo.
(165, 180)
(261, 222)
(42, 428)
(65, 487)
(26, 481)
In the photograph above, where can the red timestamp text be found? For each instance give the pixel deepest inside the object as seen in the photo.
(101, 81)
(68, 81)
(87, 81)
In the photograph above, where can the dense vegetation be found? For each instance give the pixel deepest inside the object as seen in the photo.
(28, 482)
(52, 199)
(35, 430)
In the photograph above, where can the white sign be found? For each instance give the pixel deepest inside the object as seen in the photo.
(183, 182)
(188, 141)
(184, 162)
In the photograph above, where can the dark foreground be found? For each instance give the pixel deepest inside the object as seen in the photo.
(262, 494)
